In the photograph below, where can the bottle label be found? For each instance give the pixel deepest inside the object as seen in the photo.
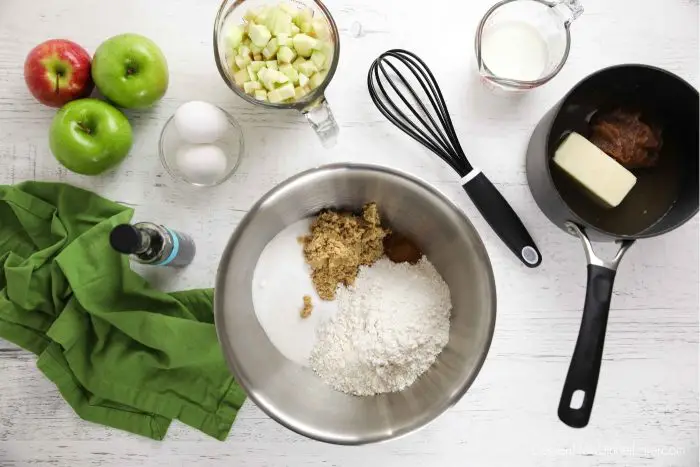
(183, 250)
(176, 248)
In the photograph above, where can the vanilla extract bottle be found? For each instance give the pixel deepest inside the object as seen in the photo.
(153, 244)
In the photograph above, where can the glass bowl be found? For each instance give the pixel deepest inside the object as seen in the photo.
(231, 144)
(314, 105)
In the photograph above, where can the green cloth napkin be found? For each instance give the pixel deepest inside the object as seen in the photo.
(121, 353)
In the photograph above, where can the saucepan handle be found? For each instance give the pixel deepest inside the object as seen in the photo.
(577, 397)
(576, 401)
(501, 217)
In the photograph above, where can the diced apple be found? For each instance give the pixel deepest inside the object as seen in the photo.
(265, 79)
(278, 76)
(270, 49)
(259, 34)
(256, 65)
(255, 50)
(319, 59)
(304, 44)
(244, 51)
(308, 68)
(262, 14)
(290, 9)
(280, 53)
(290, 72)
(240, 77)
(242, 62)
(274, 97)
(286, 91)
(268, 82)
(316, 80)
(279, 22)
(320, 28)
(250, 15)
(251, 73)
(285, 55)
(284, 39)
(327, 49)
(234, 37)
(305, 15)
(251, 86)
(299, 92)
(270, 78)
(296, 63)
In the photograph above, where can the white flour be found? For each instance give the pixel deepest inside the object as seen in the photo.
(389, 328)
(280, 280)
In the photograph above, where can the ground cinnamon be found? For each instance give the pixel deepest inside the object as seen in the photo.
(401, 249)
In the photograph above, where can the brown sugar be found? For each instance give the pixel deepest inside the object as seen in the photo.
(400, 249)
(623, 136)
(308, 307)
(339, 243)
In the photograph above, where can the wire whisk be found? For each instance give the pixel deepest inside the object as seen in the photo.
(406, 92)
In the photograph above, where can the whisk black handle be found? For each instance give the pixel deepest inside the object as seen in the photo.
(501, 217)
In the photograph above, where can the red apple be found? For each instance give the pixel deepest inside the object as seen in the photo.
(58, 71)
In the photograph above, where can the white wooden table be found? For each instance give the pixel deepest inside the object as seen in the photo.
(646, 411)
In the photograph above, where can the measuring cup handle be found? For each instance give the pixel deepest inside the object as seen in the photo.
(322, 121)
(569, 10)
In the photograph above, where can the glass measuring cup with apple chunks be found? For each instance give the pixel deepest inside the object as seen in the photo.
(280, 55)
(522, 44)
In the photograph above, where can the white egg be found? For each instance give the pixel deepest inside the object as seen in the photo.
(200, 122)
(202, 163)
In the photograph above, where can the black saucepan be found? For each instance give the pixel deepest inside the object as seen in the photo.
(664, 197)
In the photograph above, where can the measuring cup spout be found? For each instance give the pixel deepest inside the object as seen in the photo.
(569, 10)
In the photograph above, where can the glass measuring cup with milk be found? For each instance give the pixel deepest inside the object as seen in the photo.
(522, 44)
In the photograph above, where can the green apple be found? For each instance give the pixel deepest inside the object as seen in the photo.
(89, 136)
(130, 70)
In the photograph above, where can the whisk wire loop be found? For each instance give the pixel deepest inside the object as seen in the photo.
(438, 136)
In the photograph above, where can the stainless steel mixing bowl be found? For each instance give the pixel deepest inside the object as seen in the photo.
(294, 395)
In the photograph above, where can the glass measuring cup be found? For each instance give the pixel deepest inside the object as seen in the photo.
(314, 104)
(522, 44)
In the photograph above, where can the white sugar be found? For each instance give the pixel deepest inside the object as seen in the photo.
(280, 280)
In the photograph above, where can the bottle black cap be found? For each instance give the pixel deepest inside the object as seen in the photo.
(125, 238)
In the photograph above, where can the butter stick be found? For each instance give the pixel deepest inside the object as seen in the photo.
(600, 175)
